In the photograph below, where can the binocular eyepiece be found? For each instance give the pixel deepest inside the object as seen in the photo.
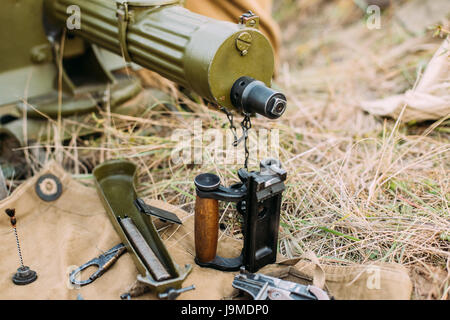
(252, 95)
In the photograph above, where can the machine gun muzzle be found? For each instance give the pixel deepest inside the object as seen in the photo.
(252, 96)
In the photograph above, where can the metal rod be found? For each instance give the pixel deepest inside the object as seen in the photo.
(18, 247)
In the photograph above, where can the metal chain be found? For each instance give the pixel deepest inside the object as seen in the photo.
(246, 125)
(232, 127)
(18, 247)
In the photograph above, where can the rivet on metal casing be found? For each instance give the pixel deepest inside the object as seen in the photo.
(244, 42)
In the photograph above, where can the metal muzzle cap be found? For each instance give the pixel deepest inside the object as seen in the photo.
(252, 95)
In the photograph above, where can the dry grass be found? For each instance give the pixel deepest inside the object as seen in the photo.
(370, 189)
(360, 188)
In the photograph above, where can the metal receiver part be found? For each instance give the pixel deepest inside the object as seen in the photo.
(115, 181)
(262, 287)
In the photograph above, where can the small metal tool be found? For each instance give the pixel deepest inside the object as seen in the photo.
(104, 262)
(24, 274)
(172, 294)
(262, 287)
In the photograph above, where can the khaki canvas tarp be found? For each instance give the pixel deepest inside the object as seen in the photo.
(58, 236)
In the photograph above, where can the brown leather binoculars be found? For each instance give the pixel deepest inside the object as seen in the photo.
(258, 198)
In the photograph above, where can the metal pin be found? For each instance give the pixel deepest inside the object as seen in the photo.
(24, 274)
(172, 294)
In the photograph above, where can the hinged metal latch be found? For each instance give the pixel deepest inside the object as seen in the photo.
(250, 20)
(244, 39)
(163, 215)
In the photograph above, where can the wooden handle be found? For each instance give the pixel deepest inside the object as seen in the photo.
(206, 229)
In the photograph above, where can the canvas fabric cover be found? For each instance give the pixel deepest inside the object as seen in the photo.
(58, 236)
(428, 100)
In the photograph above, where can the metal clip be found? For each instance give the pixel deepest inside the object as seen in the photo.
(124, 17)
(103, 262)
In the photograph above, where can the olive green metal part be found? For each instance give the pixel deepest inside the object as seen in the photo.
(115, 181)
(21, 32)
(40, 80)
(200, 53)
(37, 126)
(24, 70)
(30, 64)
(244, 42)
(80, 104)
